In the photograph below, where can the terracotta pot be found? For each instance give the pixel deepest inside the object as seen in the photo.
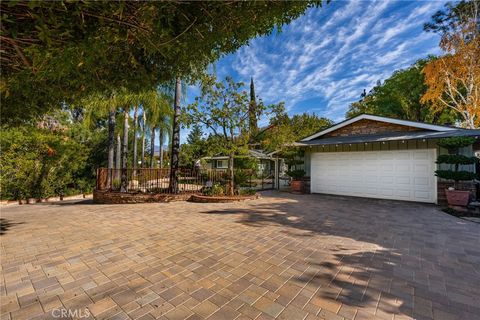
(297, 185)
(457, 197)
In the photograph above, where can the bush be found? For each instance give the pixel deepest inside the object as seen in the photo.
(247, 192)
(454, 143)
(455, 175)
(296, 174)
(216, 190)
(455, 160)
(241, 178)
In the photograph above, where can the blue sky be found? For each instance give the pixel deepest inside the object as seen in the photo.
(322, 61)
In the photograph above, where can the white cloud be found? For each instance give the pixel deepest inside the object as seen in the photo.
(335, 52)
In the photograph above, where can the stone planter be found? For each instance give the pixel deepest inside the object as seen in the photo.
(457, 197)
(221, 199)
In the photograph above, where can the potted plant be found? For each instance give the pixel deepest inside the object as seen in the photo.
(456, 196)
(294, 158)
(298, 181)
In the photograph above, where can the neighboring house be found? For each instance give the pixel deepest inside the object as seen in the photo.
(378, 157)
(268, 164)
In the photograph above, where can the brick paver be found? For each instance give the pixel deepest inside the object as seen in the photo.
(283, 256)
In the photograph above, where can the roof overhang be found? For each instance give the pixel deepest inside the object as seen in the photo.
(408, 123)
(390, 136)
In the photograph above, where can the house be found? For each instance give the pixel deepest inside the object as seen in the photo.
(269, 167)
(379, 157)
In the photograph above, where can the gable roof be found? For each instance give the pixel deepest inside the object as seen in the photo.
(420, 125)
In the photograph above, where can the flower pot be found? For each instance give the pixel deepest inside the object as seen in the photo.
(457, 197)
(297, 185)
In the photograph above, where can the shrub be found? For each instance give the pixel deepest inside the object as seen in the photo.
(454, 143)
(247, 192)
(455, 160)
(216, 190)
(296, 174)
(241, 178)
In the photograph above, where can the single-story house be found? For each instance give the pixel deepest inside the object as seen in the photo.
(379, 157)
(270, 167)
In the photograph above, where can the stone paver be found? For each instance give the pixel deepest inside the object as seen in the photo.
(283, 256)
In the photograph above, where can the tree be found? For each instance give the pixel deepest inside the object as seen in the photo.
(174, 155)
(399, 97)
(283, 130)
(55, 156)
(195, 148)
(55, 52)
(252, 116)
(454, 80)
(455, 14)
(223, 108)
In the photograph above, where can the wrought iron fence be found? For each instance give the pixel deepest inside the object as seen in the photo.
(147, 180)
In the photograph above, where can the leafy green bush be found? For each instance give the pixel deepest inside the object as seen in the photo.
(454, 143)
(247, 192)
(455, 160)
(215, 190)
(242, 178)
(296, 174)
(455, 175)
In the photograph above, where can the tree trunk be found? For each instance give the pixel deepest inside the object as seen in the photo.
(143, 139)
(174, 156)
(161, 147)
(111, 144)
(135, 156)
(118, 160)
(125, 152)
(230, 185)
(152, 147)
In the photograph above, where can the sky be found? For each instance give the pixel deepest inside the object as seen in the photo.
(323, 61)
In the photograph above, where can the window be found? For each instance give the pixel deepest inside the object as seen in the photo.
(222, 164)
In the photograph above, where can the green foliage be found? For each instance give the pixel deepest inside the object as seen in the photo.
(296, 174)
(455, 175)
(456, 159)
(194, 149)
(454, 15)
(245, 162)
(247, 192)
(60, 51)
(284, 130)
(242, 178)
(456, 142)
(399, 97)
(54, 157)
(216, 190)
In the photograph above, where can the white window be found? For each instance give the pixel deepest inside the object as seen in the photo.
(222, 164)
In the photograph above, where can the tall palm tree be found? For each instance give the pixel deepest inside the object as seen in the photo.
(175, 154)
(135, 125)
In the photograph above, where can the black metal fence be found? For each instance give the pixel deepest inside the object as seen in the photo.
(147, 180)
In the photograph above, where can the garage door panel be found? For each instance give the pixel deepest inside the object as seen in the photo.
(402, 175)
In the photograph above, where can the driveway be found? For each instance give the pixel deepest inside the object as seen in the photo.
(283, 256)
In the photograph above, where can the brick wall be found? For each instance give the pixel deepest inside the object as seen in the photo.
(106, 197)
(366, 126)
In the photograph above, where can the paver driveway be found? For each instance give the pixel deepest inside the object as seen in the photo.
(285, 256)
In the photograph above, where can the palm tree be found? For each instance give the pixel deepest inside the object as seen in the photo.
(174, 156)
(135, 125)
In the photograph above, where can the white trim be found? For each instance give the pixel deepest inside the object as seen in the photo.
(381, 119)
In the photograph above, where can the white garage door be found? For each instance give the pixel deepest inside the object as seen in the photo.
(400, 175)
